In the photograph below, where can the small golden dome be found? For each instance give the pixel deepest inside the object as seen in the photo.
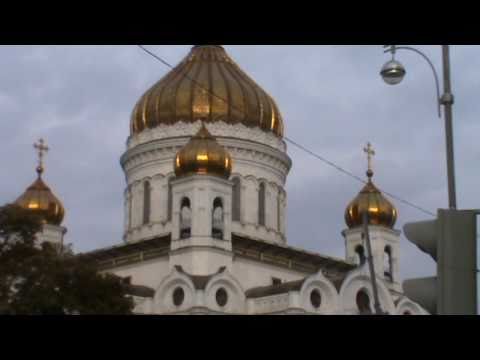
(203, 155)
(209, 86)
(381, 212)
(39, 199)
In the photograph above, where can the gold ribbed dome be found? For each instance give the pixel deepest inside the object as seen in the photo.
(209, 86)
(39, 199)
(381, 212)
(203, 155)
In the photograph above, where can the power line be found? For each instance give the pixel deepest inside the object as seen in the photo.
(294, 143)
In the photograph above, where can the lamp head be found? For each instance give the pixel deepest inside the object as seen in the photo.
(393, 72)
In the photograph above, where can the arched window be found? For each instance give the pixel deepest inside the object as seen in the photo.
(360, 255)
(387, 263)
(363, 303)
(217, 219)
(185, 219)
(261, 205)
(146, 202)
(279, 210)
(236, 199)
(169, 200)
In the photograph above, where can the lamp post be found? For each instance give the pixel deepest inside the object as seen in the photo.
(393, 72)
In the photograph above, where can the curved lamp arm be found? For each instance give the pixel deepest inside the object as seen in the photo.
(392, 49)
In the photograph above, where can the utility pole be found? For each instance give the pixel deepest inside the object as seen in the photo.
(447, 101)
(366, 234)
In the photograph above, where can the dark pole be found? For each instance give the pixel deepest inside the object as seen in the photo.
(378, 309)
(447, 101)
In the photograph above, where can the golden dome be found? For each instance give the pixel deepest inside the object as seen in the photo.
(203, 155)
(381, 212)
(209, 86)
(39, 199)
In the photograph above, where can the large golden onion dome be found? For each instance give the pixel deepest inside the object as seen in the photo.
(209, 86)
(203, 155)
(381, 212)
(39, 199)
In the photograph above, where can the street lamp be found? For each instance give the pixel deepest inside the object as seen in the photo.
(393, 73)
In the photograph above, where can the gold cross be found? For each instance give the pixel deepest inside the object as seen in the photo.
(370, 154)
(42, 148)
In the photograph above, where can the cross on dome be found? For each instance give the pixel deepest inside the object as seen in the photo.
(370, 154)
(41, 148)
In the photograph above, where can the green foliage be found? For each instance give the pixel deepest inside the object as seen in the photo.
(41, 280)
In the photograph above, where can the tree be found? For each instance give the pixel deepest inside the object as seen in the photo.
(40, 279)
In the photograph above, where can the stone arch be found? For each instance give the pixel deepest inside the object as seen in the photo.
(328, 295)
(359, 280)
(407, 307)
(163, 300)
(236, 302)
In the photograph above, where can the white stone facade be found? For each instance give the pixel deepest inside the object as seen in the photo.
(203, 270)
(199, 291)
(385, 250)
(258, 158)
(52, 234)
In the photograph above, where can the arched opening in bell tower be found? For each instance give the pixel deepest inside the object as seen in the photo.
(185, 219)
(218, 219)
(360, 255)
(387, 263)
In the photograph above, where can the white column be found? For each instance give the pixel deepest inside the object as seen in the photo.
(283, 206)
(126, 210)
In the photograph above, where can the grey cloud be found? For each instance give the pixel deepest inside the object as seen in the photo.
(80, 99)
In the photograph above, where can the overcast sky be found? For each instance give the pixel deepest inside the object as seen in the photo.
(79, 98)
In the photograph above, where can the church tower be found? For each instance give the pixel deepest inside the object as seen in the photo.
(40, 200)
(201, 197)
(206, 92)
(385, 240)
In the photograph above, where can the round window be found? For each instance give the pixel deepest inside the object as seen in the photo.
(407, 313)
(221, 297)
(178, 296)
(316, 299)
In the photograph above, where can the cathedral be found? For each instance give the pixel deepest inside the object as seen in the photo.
(206, 166)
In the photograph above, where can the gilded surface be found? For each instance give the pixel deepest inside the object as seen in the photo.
(203, 155)
(380, 211)
(209, 86)
(38, 198)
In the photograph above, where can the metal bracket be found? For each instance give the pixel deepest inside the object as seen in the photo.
(393, 49)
